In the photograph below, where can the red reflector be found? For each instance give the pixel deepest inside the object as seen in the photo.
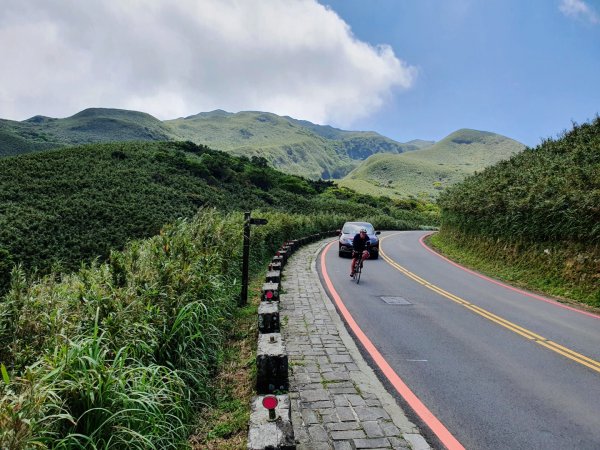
(269, 294)
(270, 402)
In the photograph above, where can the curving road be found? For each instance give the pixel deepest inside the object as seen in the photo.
(491, 367)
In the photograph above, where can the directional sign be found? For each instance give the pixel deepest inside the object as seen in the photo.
(254, 221)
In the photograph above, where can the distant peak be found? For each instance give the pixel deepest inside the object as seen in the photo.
(209, 114)
(97, 111)
(39, 119)
(466, 136)
(471, 131)
(110, 112)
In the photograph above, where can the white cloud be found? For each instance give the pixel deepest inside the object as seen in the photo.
(579, 9)
(171, 59)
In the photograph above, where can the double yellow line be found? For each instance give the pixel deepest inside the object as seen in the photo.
(557, 348)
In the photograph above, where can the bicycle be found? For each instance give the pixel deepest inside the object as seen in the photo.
(358, 266)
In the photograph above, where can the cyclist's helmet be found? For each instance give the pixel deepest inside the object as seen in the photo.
(363, 230)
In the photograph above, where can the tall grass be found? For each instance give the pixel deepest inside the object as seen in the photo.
(547, 194)
(537, 212)
(122, 354)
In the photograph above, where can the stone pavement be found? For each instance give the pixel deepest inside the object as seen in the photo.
(337, 402)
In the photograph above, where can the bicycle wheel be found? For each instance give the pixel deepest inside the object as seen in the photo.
(357, 271)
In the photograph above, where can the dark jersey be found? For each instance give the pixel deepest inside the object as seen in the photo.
(359, 244)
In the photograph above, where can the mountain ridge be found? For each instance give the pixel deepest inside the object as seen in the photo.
(292, 145)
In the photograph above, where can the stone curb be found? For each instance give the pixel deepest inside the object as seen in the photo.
(272, 359)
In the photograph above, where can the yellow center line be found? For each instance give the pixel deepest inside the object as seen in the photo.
(557, 348)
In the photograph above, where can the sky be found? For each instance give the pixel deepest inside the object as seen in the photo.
(408, 69)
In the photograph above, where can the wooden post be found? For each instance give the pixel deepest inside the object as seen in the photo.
(246, 255)
(245, 260)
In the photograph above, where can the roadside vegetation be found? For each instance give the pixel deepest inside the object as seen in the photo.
(120, 269)
(123, 354)
(533, 219)
(60, 208)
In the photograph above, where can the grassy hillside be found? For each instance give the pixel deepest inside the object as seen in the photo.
(361, 144)
(294, 146)
(539, 210)
(104, 124)
(88, 126)
(63, 206)
(283, 144)
(431, 169)
(21, 137)
(400, 177)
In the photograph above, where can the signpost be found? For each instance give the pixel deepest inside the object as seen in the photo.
(246, 255)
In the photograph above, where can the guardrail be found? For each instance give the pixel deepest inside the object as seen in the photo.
(270, 426)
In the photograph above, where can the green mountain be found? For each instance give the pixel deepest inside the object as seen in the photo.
(22, 137)
(431, 169)
(88, 126)
(102, 124)
(293, 146)
(362, 144)
(284, 144)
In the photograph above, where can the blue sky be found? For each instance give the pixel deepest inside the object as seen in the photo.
(524, 69)
(408, 69)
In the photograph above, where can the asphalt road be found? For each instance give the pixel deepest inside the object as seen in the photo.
(498, 368)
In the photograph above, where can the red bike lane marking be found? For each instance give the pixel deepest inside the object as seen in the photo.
(434, 424)
(499, 283)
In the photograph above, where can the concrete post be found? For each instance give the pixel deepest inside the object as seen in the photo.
(271, 364)
(268, 317)
(264, 434)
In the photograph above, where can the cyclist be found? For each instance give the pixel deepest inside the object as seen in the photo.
(360, 243)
